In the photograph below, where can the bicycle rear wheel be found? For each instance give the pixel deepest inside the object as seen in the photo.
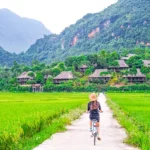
(94, 138)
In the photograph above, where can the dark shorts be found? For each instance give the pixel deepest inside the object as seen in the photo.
(94, 117)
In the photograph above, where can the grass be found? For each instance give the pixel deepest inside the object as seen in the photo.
(27, 119)
(133, 112)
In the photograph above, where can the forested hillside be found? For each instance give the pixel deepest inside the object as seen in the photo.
(125, 24)
(6, 58)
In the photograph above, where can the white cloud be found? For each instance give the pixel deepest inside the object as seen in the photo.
(55, 14)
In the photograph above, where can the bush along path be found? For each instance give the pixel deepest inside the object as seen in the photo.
(78, 137)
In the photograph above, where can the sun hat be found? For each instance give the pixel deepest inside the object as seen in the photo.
(93, 97)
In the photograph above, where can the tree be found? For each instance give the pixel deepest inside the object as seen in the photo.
(61, 66)
(16, 69)
(31, 74)
(39, 78)
(55, 71)
(145, 70)
(133, 70)
(135, 61)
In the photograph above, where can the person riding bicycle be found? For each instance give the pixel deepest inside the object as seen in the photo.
(94, 108)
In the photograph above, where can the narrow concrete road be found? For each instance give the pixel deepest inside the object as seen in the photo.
(78, 137)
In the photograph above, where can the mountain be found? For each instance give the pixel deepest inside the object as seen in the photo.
(6, 58)
(125, 24)
(17, 34)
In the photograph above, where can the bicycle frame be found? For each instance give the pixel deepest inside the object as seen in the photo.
(94, 130)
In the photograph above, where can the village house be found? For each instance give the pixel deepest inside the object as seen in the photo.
(128, 56)
(63, 76)
(100, 75)
(24, 77)
(146, 63)
(139, 77)
(37, 88)
(83, 68)
(121, 66)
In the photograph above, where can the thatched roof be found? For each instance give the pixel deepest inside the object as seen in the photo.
(25, 75)
(139, 74)
(65, 75)
(146, 63)
(84, 67)
(97, 73)
(128, 56)
(121, 63)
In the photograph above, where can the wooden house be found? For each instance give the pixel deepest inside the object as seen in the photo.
(83, 68)
(146, 63)
(121, 66)
(37, 88)
(63, 76)
(139, 77)
(24, 77)
(100, 75)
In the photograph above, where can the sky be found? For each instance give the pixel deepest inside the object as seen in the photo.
(55, 14)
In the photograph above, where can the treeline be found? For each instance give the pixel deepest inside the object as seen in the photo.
(101, 59)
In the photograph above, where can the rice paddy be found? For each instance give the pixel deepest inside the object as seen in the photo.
(22, 115)
(133, 112)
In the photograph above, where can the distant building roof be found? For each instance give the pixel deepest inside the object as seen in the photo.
(97, 73)
(146, 63)
(84, 67)
(128, 56)
(121, 63)
(139, 74)
(65, 75)
(25, 75)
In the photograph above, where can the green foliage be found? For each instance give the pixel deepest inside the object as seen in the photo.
(39, 78)
(55, 71)
(145, 70)
(114, 63)
(129, 88)
(31, 74)
(61, 66)
(104, 73)
(135, 61)
(89, 70)
(133, 71)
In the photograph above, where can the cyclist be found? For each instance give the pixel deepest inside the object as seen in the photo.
(94, 108)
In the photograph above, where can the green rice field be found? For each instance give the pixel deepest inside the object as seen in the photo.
(22, 115)
(133, 112)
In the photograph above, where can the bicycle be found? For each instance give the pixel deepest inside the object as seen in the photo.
(94, 130)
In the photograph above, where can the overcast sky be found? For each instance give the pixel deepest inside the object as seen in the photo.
(55, 14)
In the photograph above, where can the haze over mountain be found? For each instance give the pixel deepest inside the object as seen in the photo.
(17, 34)
(124, 25)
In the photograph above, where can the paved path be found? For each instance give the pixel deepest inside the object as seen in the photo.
(77, 137)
